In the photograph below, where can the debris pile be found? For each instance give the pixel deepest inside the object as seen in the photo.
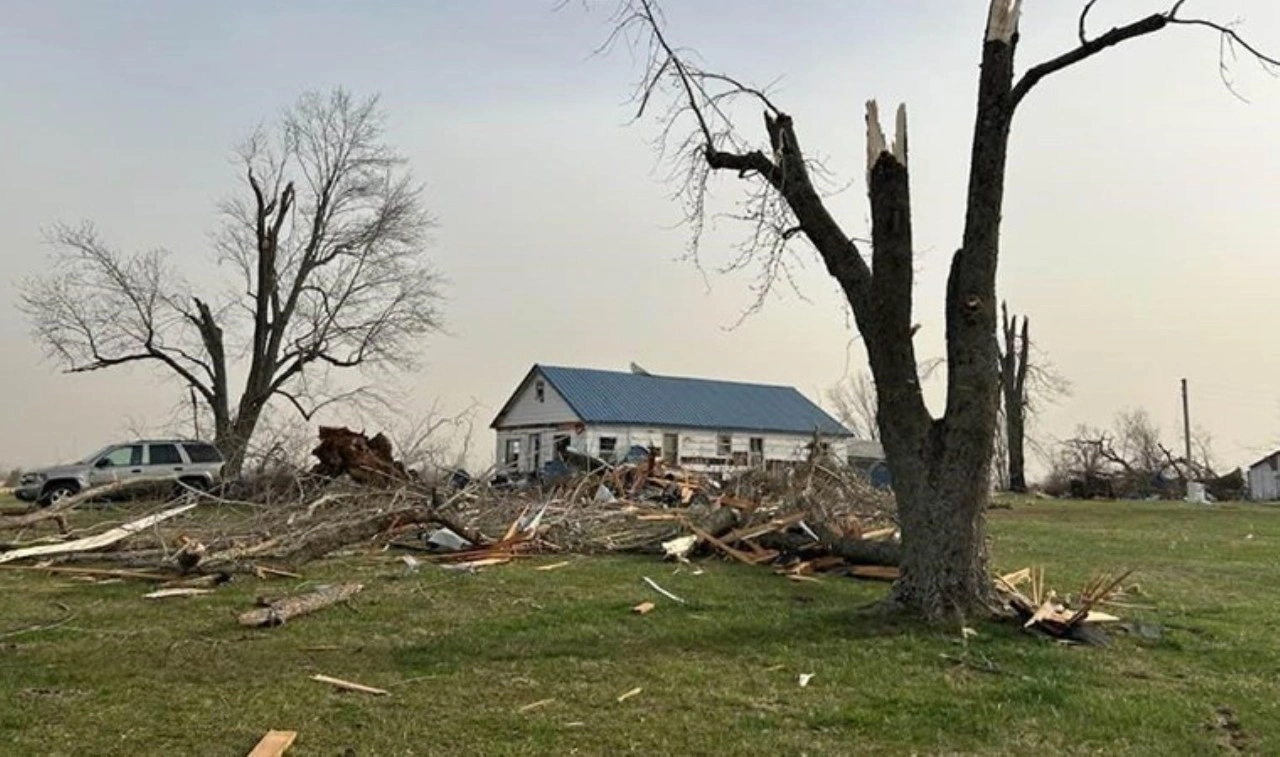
(1066, 618)
(367, 461)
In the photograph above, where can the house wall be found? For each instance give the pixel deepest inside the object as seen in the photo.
(528, 410)
(1264, 481)
(703, 443)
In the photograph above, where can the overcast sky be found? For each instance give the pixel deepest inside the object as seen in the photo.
(1140, 225)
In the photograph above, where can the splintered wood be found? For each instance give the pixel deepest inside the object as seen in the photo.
(1072, 619)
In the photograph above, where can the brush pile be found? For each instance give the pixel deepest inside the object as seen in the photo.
(806, 519)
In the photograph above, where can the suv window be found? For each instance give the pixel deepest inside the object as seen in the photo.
(165, 454)
(202, 453)
(121, 457)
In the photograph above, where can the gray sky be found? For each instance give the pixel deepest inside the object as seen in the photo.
(1139, 230)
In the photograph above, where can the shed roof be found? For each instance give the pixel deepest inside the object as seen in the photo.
(639, 399)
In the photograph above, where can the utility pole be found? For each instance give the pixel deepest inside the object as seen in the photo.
(1186, 422)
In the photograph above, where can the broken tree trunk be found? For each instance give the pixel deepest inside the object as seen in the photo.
(282, 610)
(322, 540)
(857, 551)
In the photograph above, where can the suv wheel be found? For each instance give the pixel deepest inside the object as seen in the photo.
(58, 493)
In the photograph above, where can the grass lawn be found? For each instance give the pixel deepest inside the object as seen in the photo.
(463, 654)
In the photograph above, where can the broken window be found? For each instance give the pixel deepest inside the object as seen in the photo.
(540, 391)
(608, 448)
(756, 449)
(724, 445)
(511, 452)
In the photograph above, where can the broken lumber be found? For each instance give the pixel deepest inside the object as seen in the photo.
(59, 511)
(274, 744)
(280, 611)
(349, 685)
(104, 539)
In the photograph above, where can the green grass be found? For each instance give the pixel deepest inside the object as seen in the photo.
(461, 654)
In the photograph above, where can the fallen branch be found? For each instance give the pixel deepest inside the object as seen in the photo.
(283, 610)
(59, 511)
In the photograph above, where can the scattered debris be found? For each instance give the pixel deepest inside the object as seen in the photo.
(536, 705)
(644, 608)
(274, 744)
(663, 591)
(1046, 612)
(805, 678)
(104, 539)
(627, 695)
(278, 612)
(553, 566)
(349, 685)
(179, 592)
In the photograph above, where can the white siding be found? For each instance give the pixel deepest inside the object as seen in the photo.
(528, 411)
(1264, 482)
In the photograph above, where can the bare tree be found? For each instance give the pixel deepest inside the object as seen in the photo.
(327, 240)
(854, 402)
(1024, 384)
(941, 467)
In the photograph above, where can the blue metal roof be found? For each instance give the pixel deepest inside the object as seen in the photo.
(611, 397)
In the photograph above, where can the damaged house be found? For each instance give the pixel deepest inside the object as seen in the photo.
(700, 424)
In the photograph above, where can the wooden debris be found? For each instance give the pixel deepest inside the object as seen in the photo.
(1046, 612)
(553, 566)
(663, 591)
(536, 705)
(349, 685)
(176, 592)
(875, 572)
(805, 678)
(627, 695)
(280, 611)
(59, 511)
(104, 539)
(274, 744)
(95, 572)
(644, 608)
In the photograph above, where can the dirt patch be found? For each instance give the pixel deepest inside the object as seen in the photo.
(1231, 736)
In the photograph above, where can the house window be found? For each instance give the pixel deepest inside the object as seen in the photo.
(540, 391)
(559, 444)
(511, 453)
(724, 445)
(608, 448)
(756, 449)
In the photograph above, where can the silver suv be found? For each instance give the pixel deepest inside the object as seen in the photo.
(194, 463)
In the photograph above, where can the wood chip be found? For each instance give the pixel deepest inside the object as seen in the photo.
(629, 694)
(349, 685)
(805, 678)
(274, 744)
(553, 566)
(644, 608)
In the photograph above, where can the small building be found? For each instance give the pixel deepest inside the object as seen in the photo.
(1264, 478)
(702, 424)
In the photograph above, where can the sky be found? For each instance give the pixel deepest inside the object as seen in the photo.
(1139, 232)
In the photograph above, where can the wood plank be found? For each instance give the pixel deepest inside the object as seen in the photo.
(177, 592)
(274, 744)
